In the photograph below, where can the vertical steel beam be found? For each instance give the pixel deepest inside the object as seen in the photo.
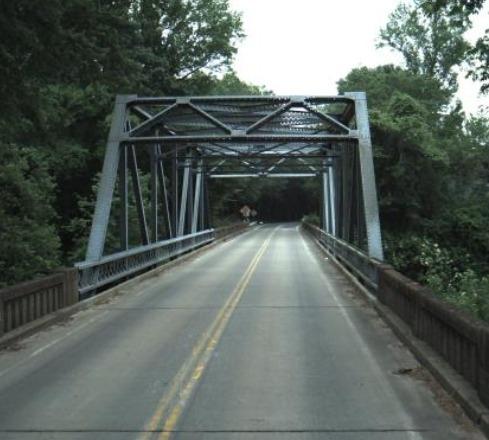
(107, 182)
(190, 196)
(138, 196)
(174, 191)
(325, 196)
(369, 191)
(197, 197)
(153, 153)
(353, 198)
(345, 194)
(202, 200)
(183, 199)
(124, 211)
(361, 221)
(207, 208)
(332, 201)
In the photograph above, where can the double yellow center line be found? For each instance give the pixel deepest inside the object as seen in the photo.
(173, 402)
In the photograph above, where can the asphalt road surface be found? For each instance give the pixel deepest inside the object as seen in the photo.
(260, 337)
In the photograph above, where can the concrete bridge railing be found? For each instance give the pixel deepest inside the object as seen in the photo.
(462, 340)
(26, 302)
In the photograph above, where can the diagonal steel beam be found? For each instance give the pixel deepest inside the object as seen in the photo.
(327, 118)
(124, 221)
(269, 117)
(218, 165)
(164, 193)
(150, 123)
(108, 179)
(280, 161)
(210, 118)
(311, 167)
(138, 196)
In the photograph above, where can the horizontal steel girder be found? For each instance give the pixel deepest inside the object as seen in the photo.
(240, 138)
(267, 175)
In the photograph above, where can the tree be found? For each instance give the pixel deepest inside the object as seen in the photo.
(430, 39)
(184, 37)
(29, 243)
(461, 11)
(405, 112)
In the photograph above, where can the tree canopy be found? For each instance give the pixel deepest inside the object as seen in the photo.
(61, 64)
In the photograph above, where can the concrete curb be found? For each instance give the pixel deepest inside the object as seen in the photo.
(452, 382)
(62, 314)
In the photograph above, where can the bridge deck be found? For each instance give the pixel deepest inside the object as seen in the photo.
(258, 338)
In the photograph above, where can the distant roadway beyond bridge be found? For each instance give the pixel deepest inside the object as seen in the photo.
(259, 337)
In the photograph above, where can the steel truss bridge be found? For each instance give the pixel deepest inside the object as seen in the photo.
(262, 336)
(185, 141)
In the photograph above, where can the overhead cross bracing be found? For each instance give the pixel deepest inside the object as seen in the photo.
(252, 136)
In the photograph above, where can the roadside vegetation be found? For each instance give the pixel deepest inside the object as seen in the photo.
(432, 160)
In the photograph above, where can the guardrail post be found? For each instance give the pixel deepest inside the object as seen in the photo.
(70, 286)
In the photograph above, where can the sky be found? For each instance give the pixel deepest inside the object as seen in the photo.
(303, 47)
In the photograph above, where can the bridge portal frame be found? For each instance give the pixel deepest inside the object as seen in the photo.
(205, 133)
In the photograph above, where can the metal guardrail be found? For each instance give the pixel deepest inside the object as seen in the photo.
(94, 274)
(31, 300)
(364, 267)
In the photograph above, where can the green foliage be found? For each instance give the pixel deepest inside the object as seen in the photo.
(404, 111)
(431, 43)
(478, 55)
(181, 38)
(430, 40)
(230, 84)
(446, 271)
(28, 240)
(479, 58)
